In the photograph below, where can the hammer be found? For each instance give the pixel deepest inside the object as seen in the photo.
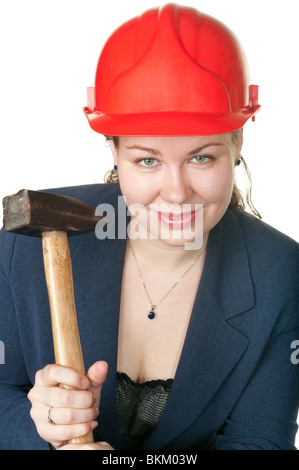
(52, 216)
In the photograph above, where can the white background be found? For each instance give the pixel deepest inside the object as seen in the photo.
(49, 53)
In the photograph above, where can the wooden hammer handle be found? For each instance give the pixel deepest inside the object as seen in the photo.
(59, 279)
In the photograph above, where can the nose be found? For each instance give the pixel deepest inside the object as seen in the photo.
(176, 188)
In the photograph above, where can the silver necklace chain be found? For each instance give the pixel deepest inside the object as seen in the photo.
(152, 312)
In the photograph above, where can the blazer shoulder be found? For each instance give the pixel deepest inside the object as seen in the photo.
(269, 250)
(263, 233)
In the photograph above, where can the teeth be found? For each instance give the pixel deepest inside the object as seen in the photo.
(178, 216)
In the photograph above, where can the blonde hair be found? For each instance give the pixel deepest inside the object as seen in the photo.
(238, 199)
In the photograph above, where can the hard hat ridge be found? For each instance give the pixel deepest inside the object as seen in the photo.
(163, 63)
(171, 71)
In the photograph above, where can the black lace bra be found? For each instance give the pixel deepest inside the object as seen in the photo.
(140, 407)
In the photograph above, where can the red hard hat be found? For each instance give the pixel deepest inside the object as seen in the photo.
(172, 71)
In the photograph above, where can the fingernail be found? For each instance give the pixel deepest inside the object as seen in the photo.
(94, 424)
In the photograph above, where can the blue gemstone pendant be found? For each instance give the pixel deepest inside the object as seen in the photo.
(152, 314)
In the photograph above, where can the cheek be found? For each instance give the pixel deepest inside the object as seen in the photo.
(217, 195)
(136, 189)
(217, 186)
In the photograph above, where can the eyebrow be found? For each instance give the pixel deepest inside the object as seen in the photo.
(199, 149)
(144, 149)
(156, 152)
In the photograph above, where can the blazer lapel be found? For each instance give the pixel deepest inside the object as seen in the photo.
(111, 299)
(212, 346)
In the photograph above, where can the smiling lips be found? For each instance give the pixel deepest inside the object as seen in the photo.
(177, 220)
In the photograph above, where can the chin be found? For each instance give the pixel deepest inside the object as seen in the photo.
(194, 244)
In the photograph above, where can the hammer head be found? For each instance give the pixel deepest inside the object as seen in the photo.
(33, 212)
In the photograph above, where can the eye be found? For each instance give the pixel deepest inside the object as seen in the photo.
(202, 159)
(147, 162)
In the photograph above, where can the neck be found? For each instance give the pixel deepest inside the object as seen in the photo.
(158, 256)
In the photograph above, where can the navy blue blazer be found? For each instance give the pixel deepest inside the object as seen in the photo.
(236, 385)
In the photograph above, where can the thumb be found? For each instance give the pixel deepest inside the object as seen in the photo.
(97, 375)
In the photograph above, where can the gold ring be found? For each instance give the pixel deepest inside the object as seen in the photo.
(49, 416)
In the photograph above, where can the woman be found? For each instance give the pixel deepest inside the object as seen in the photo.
(187, 322)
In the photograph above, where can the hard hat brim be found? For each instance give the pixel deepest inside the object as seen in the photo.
(168, 123)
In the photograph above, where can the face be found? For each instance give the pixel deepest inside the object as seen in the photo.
(171, 183)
